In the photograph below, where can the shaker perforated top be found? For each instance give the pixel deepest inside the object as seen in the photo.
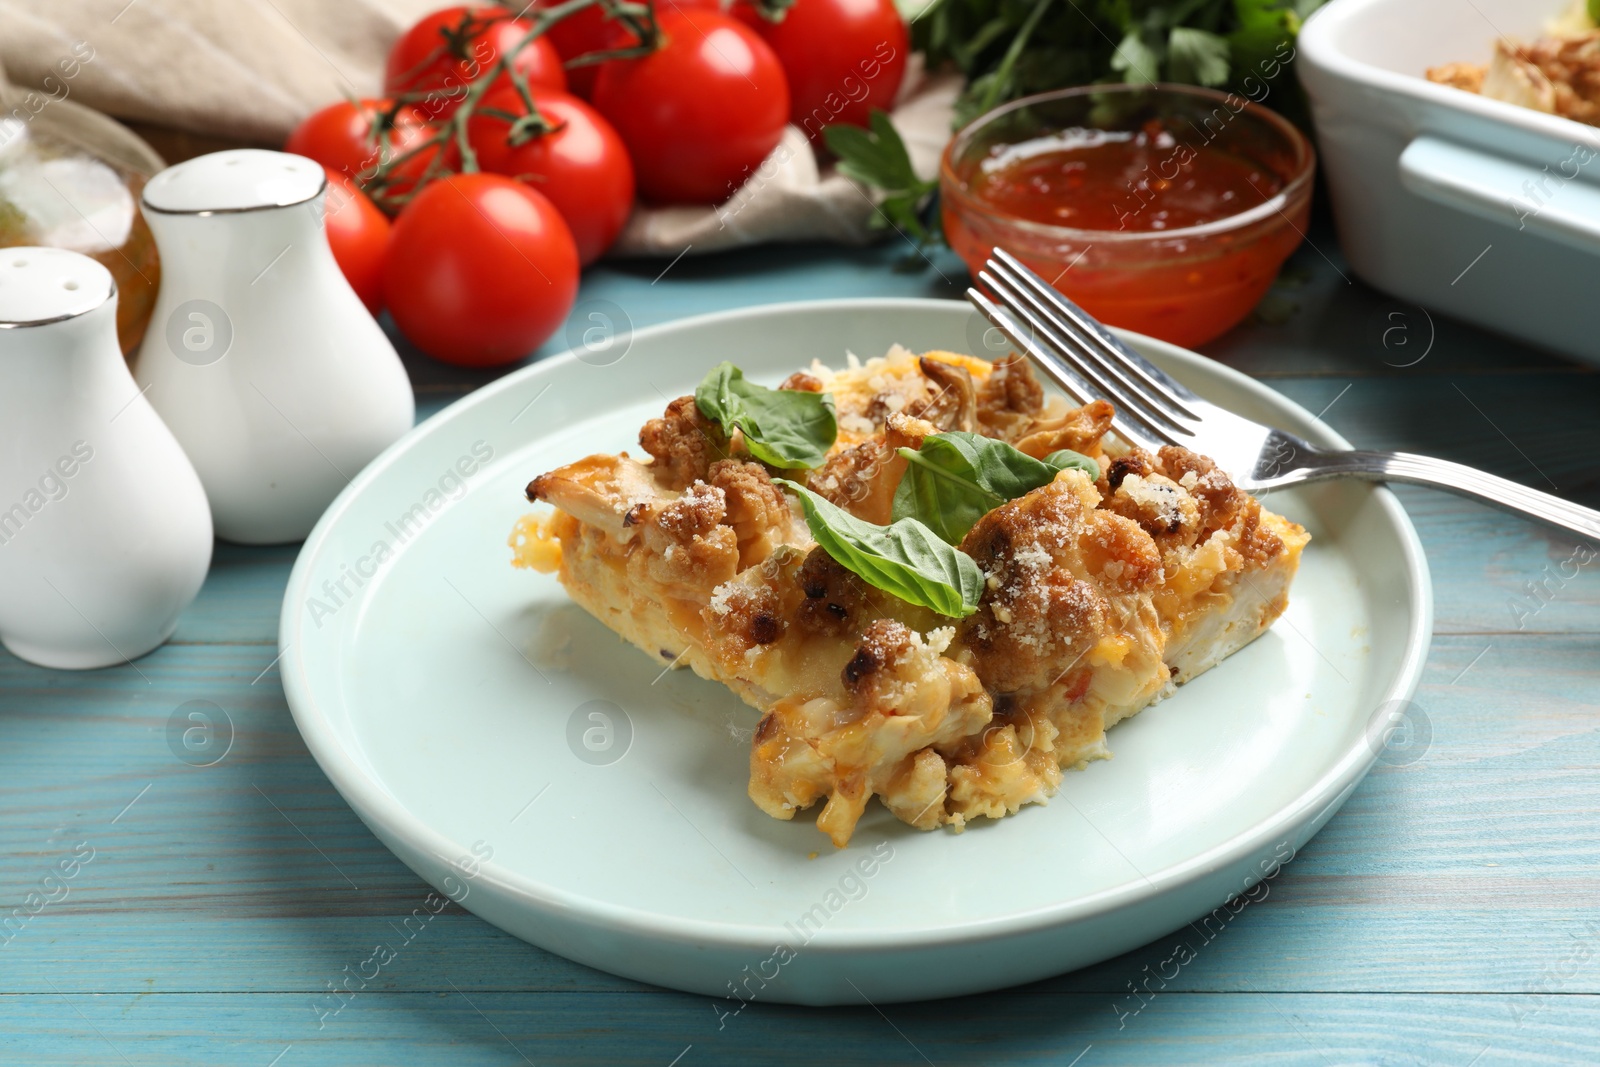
(43, 285)
(243, 179)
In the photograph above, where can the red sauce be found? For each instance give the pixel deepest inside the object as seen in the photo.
(1130, 200)
(1146, 180)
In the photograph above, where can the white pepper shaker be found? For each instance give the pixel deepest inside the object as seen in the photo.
(105, 536)
(267, 366)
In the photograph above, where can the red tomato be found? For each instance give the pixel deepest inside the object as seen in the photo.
(582, 167)
(453, 46)
(590, 31)
(480, 270)
(342, 139)
(842, 58)
(358, 233)
(587, 31)
(699, 113)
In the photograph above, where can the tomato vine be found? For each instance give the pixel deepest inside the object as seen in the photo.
(387, 181)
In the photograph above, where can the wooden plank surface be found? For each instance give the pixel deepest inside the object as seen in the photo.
(1449, 914)
(465, 1029)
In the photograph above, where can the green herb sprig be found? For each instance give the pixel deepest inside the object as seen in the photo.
(1008, 48)
(904, 559)
(785, 428)
(877, 157)
(956, 478)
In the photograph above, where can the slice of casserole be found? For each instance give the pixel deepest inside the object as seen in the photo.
(1098, 595)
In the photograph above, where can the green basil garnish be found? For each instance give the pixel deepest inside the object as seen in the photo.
(784, 428)
(1066, 459)
(957, 478)
(905, 559)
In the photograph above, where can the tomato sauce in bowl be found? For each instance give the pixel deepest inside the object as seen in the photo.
(1166, 209)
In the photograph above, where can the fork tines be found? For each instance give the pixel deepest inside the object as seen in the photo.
(1081, 355)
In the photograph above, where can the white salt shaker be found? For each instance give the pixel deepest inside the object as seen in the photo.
(105, 536)
(261, 358)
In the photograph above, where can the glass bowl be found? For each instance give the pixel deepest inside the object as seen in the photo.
(1186, 285)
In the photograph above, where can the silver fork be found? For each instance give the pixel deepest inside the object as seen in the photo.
(1089, 362)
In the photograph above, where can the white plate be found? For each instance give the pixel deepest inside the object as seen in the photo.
(446, 696)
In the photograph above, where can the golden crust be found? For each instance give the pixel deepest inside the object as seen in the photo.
(682, 442)
(1056, 569)
(1096, 594)
(1558, 74)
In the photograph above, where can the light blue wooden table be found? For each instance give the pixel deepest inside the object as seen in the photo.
(1450, 914)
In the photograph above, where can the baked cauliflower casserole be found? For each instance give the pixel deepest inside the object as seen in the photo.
(952, 667)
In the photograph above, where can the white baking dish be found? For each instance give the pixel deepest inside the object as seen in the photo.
(1481, 209)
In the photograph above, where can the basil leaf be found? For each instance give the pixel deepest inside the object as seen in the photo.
(878, 158)
(784, 428)
(905, 559)
(1066, 459)
(957, 478)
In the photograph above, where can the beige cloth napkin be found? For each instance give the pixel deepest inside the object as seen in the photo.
(250, 71)
(247, 70)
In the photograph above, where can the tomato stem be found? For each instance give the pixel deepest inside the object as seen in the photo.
(379, 180)
(772, 10)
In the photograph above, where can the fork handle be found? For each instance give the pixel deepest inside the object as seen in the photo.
(1451, 477)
